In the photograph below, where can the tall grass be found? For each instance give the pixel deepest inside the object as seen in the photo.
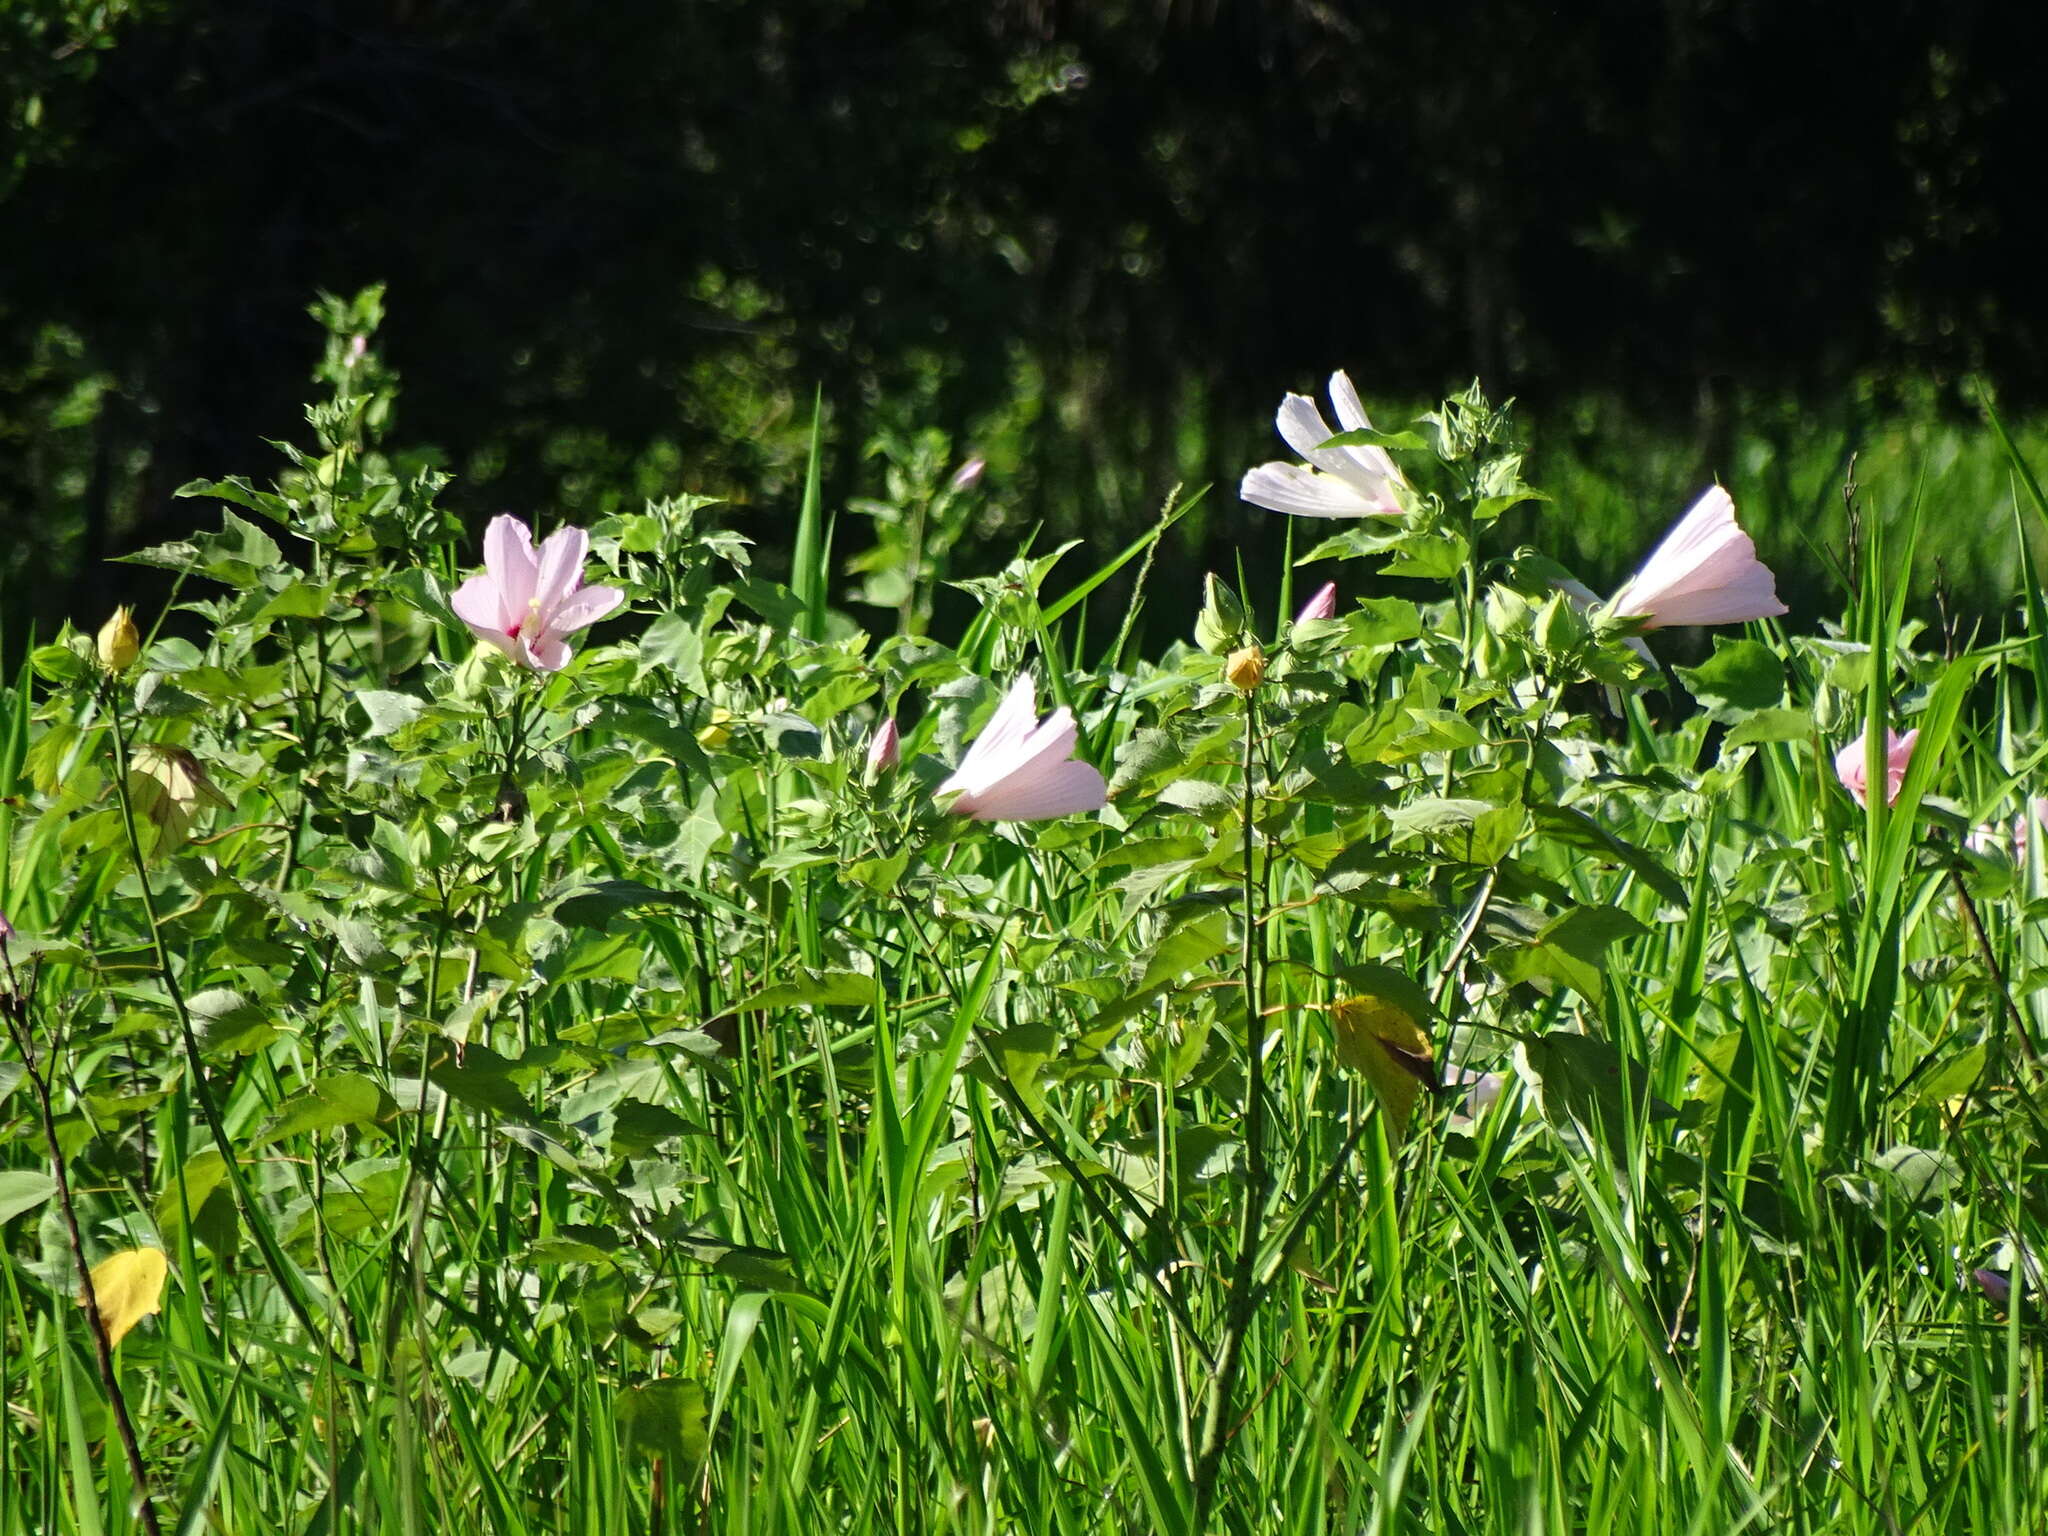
(700, 1139)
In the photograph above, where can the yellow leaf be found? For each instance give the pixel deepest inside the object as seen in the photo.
(1381, 1040)
(128, 1287)
(168, 786)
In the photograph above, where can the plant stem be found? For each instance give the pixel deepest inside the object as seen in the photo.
(14, 1003)
(195, 1067)
(1243, 1287)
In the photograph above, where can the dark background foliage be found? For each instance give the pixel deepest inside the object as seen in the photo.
(624, 241)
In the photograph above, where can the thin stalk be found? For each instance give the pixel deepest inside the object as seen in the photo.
(14, 1003)
(195, 1067)
(1243, 1289)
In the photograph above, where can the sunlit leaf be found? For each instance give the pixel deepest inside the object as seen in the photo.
(1382, 1039)
(127, 1288)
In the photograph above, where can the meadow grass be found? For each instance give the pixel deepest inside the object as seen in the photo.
(643, 1120)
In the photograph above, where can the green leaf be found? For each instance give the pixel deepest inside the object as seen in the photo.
(1366, 437)
(228, 1024)
(1571, 949)
(482, 1079)
(389, 712)
(1209, 801)
(1429, 556)
(819, 989)
(1383, 621)
(333, 1099)
(639, 1127)
(1771, 725)
(671, 643)
(23, 1189)
(668, 1419)
(207, 1196)
(421, 589)
(1576, 829)
(1221, 621)
(1742, 676)
(595, 905)
(1585, 1080)
(1149, 753)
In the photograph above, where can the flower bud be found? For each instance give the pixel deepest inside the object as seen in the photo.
(716, 732)
(1322, 606)
(884, 749)
(1246, 669)
(118, 642)
(968, 475)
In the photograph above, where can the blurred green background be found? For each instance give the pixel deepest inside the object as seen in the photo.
(1092, 243)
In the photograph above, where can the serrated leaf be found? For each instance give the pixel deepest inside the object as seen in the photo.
(639, 1127)
(1200, 797)
(595, 905)
(421, 589)
(228, 1024)
(1150, 752)
(819, 989)
(671, 643)
(1571, 949)
(1771, 725)
(206, 1197)
(1578, 830)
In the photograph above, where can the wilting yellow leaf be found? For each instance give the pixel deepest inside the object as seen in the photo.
(129, 1287)
(168, 787)
(1381, 1040)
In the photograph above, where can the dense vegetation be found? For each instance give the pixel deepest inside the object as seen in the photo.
(618, 1047)
(1729, 240)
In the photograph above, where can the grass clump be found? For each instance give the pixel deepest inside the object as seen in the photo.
(1422, 1068)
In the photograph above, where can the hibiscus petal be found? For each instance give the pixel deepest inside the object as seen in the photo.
(1350, 412)
(1304, 430)
(1055, 789)
(561, 570)
(1370, 459)
(993, 752)
(1704, 571)
(546, 653)
(584, 606)
(1306, 493)
(478, 603)
(509, 558)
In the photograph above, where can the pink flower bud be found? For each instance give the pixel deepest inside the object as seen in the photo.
(1854, 773)
(884, 749)
(1994, 1285)
(968, 475)
(1322, 606)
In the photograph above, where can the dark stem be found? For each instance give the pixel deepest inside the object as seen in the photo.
(14, 1004)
